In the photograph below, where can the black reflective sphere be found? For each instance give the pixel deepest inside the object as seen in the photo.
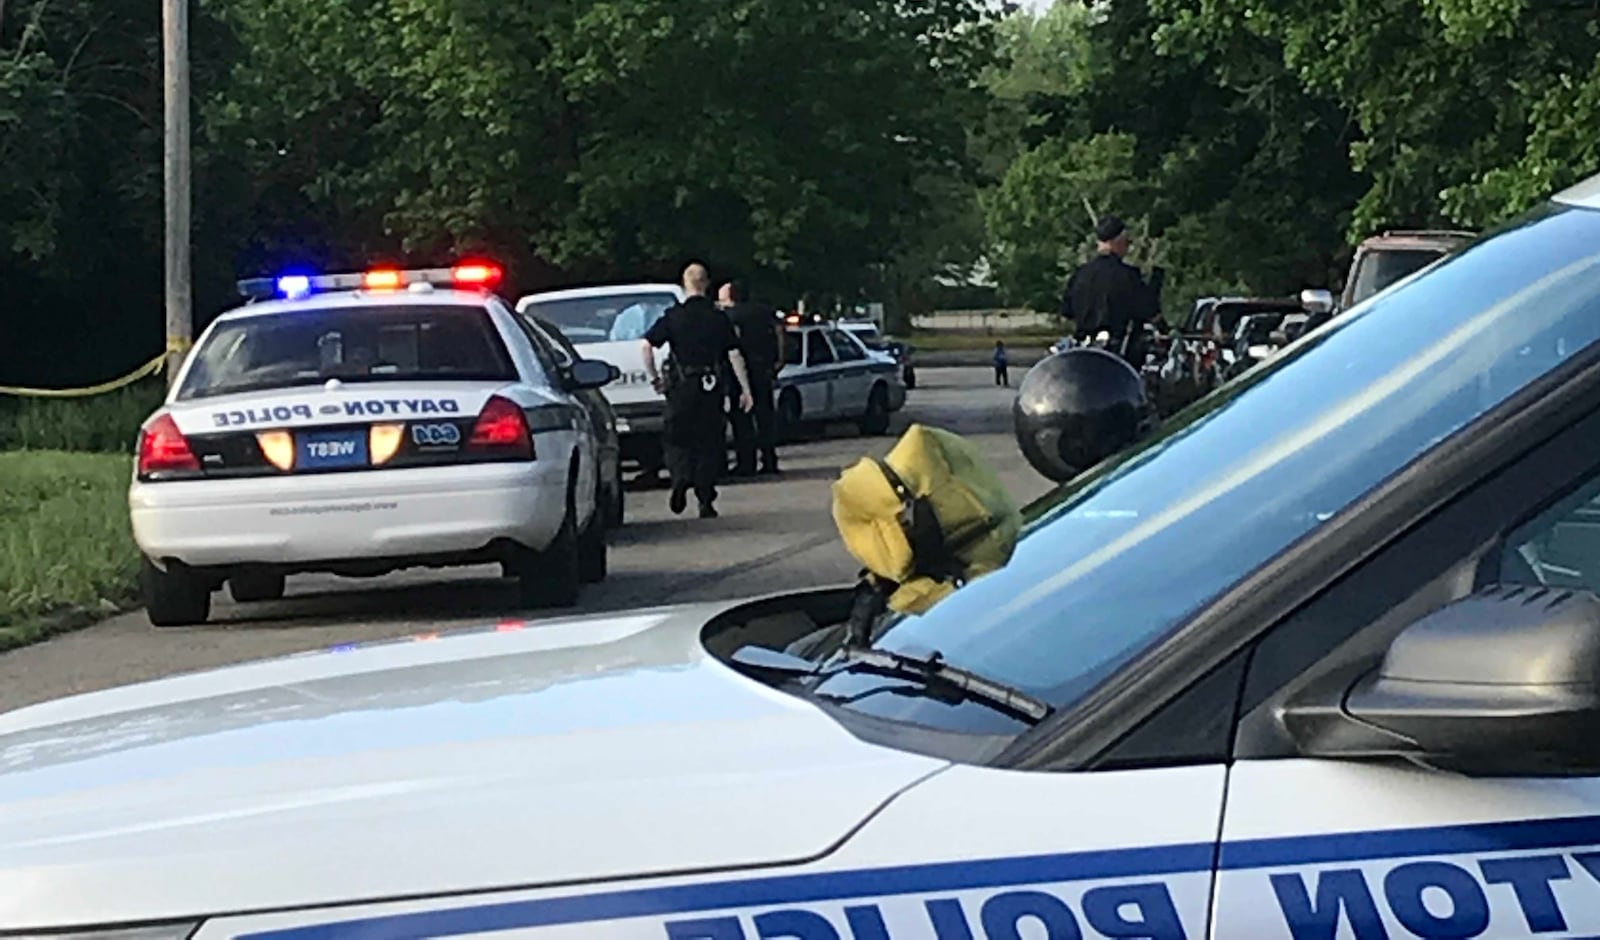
(1075, 409)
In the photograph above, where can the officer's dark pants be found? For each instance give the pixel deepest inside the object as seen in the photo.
(696, 450)
(757, 430)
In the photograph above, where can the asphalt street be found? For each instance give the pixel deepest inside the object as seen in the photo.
(773, 535)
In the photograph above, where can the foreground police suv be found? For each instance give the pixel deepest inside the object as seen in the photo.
(365, 422)
(1319, 658)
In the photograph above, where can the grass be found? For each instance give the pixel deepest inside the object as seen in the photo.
(100, 424)
(66, 553)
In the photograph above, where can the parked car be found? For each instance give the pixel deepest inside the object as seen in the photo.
(874, 339)
(1384, 259)
(606, 323)
(830, 376)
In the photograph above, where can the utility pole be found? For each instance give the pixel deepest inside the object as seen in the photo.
(175, 159)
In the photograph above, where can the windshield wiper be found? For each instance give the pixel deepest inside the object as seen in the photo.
(929, 670)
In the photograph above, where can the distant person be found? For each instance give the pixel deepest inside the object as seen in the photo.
(703, 342)
(1109, 294)
(760, 330)
(1002, 373)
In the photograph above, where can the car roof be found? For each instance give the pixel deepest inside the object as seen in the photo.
(602, 290)
(1584, 195)
(1419, 238)
(345, 299)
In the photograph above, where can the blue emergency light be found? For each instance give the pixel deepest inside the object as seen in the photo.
(482, 275)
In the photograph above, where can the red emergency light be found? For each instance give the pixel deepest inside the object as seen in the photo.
(476, 274)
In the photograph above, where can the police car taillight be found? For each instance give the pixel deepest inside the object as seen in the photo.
(163, 449)
(502, 429)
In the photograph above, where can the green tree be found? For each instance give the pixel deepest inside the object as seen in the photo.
(1469, 110)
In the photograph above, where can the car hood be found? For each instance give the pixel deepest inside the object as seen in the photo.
(589, 748)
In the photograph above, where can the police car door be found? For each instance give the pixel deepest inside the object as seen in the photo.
(852, 378)
(1331, 829)
(817, 395)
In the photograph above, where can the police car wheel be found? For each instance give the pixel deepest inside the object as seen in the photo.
(177, 597)
(592, 545)
(549, 578)
(876, 420)
(249, 587)
(789, 423)
(616, 504)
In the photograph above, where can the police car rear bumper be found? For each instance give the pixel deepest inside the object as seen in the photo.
(374, 514)
(648, 418)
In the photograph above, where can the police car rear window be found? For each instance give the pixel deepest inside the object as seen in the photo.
(352, 344)
(614, 319)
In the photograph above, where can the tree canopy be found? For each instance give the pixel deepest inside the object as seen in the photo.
(858, 149)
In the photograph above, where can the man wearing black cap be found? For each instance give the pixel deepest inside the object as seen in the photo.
(1108, 294)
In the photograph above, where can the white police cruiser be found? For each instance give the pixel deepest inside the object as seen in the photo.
(607, 322)
(1321, 662)
(830, 376)
(361, 423)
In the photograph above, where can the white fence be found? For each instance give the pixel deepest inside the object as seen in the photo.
(986, 321)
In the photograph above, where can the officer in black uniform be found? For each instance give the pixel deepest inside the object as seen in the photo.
(702, 340)
(760, 331)
(1109, 294)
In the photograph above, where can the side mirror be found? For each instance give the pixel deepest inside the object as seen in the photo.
(592, 373)
(1316, 301)
(1503, 683)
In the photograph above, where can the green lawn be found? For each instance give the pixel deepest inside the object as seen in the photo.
(66, 552)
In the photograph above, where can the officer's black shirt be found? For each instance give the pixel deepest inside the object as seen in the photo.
(1106, 294)
(701, 335)
(757, 324)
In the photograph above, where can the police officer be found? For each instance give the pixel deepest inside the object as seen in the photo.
(1109, 294)
(702, 340)
(760, 331)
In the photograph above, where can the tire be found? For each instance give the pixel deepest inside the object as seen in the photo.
(177, 597)
(789, 423)
(616, 504)
(250, 587)
(876, 419)
(549, 578)
(592, 545)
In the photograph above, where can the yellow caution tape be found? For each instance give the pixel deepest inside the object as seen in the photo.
(145, 371)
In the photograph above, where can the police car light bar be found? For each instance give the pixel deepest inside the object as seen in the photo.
(479, 275)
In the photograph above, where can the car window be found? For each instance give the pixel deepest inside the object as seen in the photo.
(543, 350)
(818, 352)
(845, 347)
(603, 319)
(1110, 564)
(368, 343)
(1560, 547)
(565, 350)
(792, 348)
(1378, 269)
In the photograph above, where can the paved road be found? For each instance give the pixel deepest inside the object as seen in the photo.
(772, 536)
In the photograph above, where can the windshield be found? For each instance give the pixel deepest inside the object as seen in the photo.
(610, 319)
(1110, 564)
(1378, 269)
(353, 344)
